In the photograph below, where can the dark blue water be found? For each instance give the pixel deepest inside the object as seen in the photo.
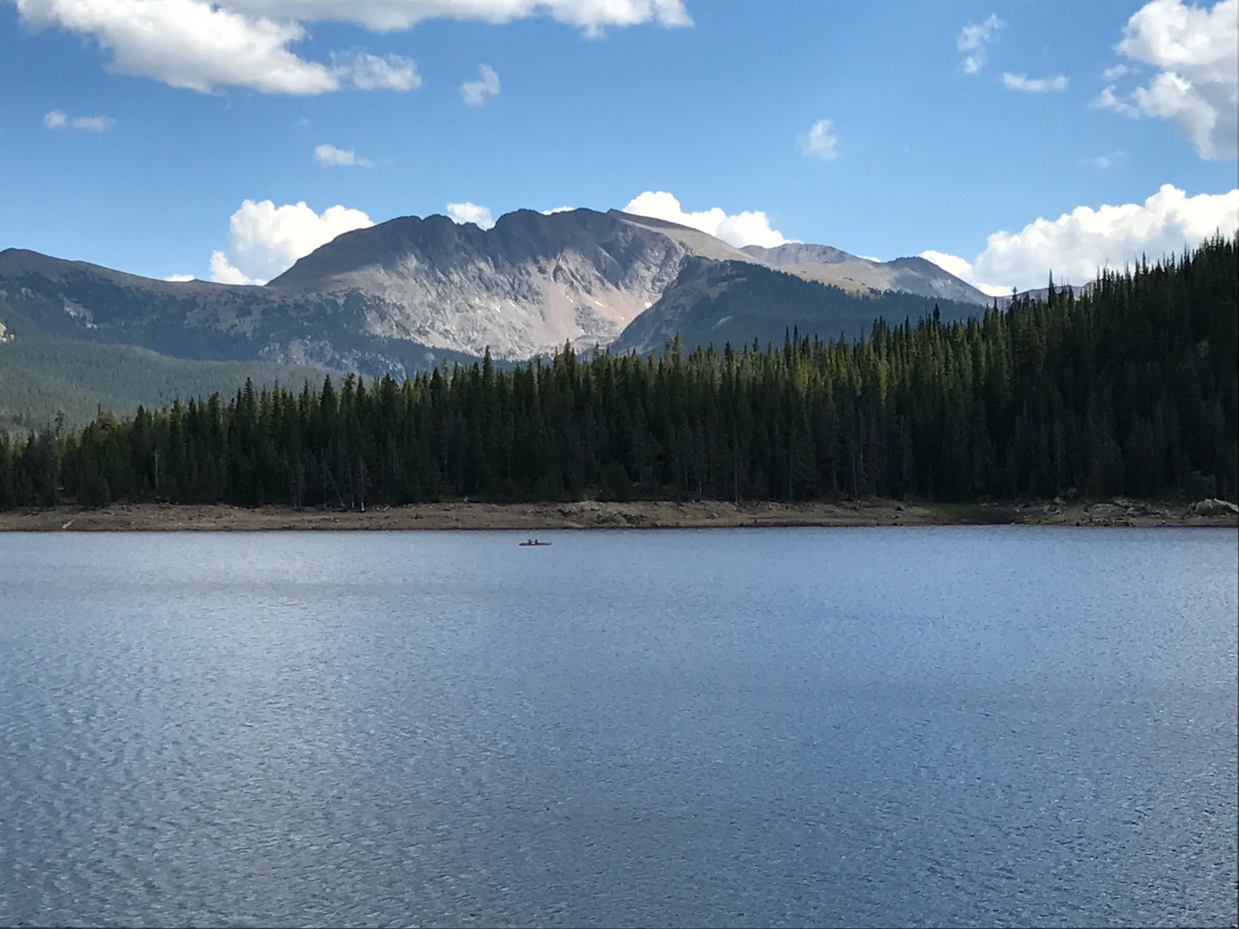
(975, 726)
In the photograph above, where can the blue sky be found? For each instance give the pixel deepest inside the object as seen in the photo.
(940, 125)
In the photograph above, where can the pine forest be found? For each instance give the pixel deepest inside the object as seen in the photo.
(1130, 387)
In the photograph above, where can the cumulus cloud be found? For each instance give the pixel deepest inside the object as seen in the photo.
(486, 86)
(962, 269)
(819, 141)
(330, 156)
(222, 271)
(265, 240)
(974, 40)
(179, 278)
(558, 209)
(396, 15)
(202, 45)
(470, 213)
(739, 229)
(1197, 53)
(1078, 243)
(1115, 72)
(188, 43)
(1056, 83)
(56, 119)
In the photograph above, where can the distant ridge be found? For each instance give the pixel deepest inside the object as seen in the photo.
(828, 265)
(720, 303)
(526, 286)
(407, 294)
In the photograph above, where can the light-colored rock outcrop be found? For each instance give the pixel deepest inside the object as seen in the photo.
(527, 286)
(1212, 506)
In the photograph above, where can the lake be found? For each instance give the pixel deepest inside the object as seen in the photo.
(938, 726)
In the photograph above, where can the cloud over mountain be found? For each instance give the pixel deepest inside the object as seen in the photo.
(461, 213)
(739, 229)
(265, 240)
(1078, 243)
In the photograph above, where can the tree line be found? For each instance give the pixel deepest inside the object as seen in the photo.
(1129, 387)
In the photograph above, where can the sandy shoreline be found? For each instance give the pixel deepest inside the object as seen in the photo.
(153, 517)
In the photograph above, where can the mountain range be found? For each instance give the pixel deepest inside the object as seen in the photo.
(406, 294)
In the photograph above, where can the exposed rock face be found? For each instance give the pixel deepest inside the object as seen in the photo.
(799, 253)
(200, 320)
(828, 265)
(528, 285)
(404, 294)
(730, 302)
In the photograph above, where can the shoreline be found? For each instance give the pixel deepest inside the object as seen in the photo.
(588, 514)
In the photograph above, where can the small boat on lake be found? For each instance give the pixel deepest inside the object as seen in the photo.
(532, 542)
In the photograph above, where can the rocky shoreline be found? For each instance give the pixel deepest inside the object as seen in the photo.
(153, 517)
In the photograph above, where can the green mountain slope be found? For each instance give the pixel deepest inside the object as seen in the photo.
(347, 331)
(714, 303)
(42, 374)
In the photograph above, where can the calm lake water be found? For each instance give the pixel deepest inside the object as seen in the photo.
(971, 726)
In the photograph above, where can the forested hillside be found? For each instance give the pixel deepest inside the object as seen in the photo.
(1132, 388)
(42, 375)
(716, 302)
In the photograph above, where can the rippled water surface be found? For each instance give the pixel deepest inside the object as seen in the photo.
(842, 726)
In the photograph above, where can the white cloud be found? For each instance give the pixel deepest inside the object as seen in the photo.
(1106, 100)
(1057, 83)
(486, 86)
(470, 213)
(558, 209)
(820, 142)
(1197, 52)
(962, 269)
(397, 15)
(188, 43)
(92, 123)
(203, 45)
(1078, 243)
(222, 272)
(370, 72)
(739, 229)
(1117, 71)
(265, 240)
(179, 278)
(1104, 161)
(56, 119)
(329, 156)
(974, 39)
